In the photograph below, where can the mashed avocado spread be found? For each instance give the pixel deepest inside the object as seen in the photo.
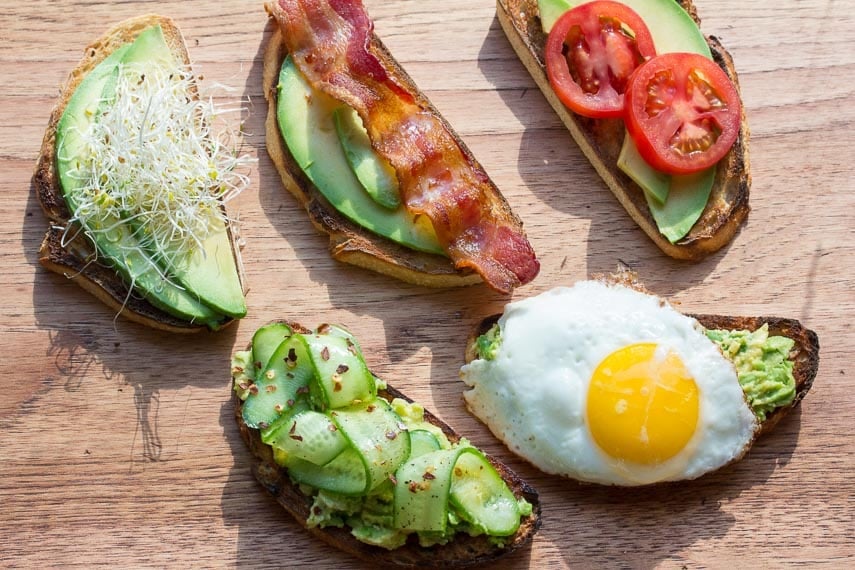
(762, 365)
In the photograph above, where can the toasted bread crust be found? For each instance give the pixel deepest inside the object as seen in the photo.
(601, 141)
(462, 551)
(78, 260)
(348, 242)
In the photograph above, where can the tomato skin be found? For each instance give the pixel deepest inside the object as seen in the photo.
(601, 56)
(683, 112)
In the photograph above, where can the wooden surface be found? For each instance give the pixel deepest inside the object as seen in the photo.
(117, 444)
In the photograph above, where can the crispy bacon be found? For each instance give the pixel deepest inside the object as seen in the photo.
(330, 42)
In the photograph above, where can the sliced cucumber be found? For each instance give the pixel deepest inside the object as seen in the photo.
(422, 441)
(481, 495)
(266, 340)
(422, 489)
(308, 435)
(342, 377)
(379, 436)
(345, 474)
(377, 445)
(281, 385)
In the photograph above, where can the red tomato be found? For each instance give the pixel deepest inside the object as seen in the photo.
(590, 54)
(683, 112)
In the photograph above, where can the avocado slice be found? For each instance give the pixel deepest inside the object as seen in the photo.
(114, 238)
(305, 118)
(673, 30)
(375, 174)
(210, 272)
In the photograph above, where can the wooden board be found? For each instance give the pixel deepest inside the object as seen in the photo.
(117, 443)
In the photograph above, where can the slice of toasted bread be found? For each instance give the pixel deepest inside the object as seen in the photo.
(601, 141)
(76, 258)
(804, 354)
(464, 550)
(349, 242)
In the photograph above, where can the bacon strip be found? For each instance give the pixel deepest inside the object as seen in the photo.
(330, 42)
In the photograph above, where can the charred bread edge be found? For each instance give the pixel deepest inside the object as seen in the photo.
(77, 259)
(349, 242)
(805, 352)
(462, 551)
(727, 206)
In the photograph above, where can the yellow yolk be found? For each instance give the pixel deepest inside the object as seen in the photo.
(642, 406)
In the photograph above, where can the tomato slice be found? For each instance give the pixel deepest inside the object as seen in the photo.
(590, 54)
(683, 112)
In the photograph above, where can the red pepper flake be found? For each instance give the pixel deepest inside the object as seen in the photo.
(370, 408)
(324, 329)
(293, 428)
(458, 471)
(257, 364)
(351, 348)
(393, 479)
(253, 389)
(291, 361)
(289, 375)
(296, 437)
(237, 369)
(277, 407)
(332, 427)
(336, 384)
(290, 403)
(325, 353)
(413, 487)
(342, 368)
(428, 476)
(391, 435)
(303, 390)
(242, 385)
(263, 425)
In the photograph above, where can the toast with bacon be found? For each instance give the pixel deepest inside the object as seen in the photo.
(438, 176)
(601, 140)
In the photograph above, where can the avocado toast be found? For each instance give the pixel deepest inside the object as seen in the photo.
(639, 393)
(136, 212)
(307, 406)
(452, 225)
(706, 225)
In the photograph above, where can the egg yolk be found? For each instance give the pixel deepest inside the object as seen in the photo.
(642, 406)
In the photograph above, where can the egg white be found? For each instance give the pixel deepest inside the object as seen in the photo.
(533, 394)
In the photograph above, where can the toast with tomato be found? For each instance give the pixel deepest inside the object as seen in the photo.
(428, 213)
(660, 119)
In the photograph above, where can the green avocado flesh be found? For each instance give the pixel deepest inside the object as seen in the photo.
(374, 465)
(673, 30)
(305, 118)
(763, 366)
(202, 287)
(375, 174)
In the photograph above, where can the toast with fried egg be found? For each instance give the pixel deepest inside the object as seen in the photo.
(596, 362)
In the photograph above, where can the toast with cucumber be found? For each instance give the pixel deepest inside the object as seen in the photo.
(363, 467)
(135, 198)
(375, 165)
(664, 129)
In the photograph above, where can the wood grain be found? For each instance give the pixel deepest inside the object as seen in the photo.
(117, 442)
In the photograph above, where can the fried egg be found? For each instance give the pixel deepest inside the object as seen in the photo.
(606, 384)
